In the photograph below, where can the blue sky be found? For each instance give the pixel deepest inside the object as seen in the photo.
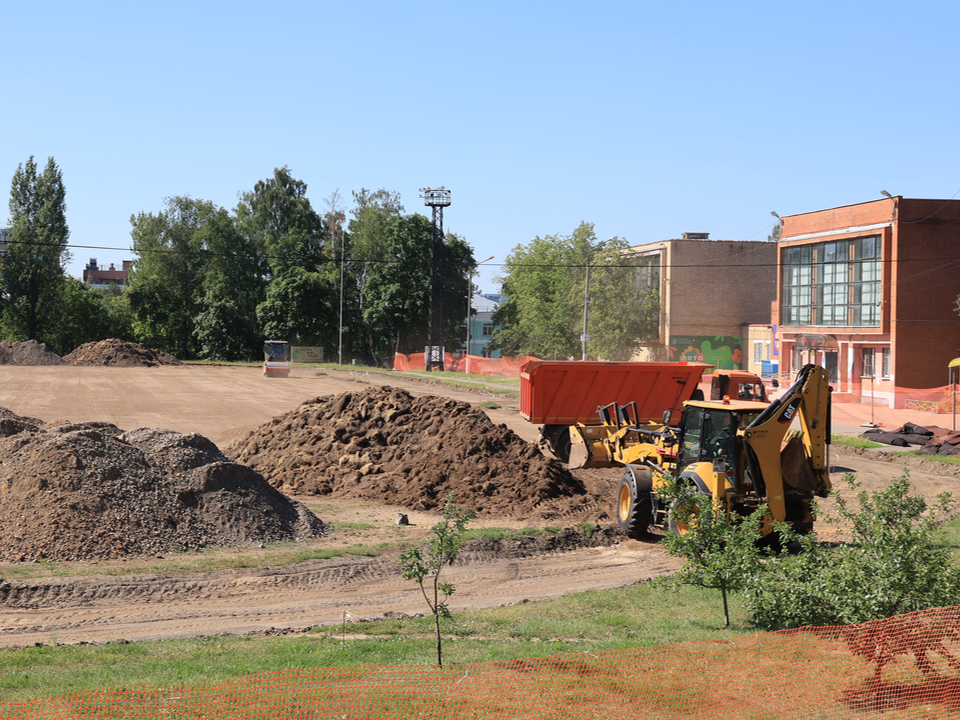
(648, 119)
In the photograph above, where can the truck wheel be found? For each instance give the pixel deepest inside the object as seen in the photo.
(634, 503)
(561, 445)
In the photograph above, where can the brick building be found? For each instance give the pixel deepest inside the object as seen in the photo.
(101, 277)
(709, 291)
(869, 292)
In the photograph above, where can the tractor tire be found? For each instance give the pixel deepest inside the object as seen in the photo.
(673, 526)
(634, 502)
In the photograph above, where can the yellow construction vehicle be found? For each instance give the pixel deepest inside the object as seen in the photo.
(741, 452)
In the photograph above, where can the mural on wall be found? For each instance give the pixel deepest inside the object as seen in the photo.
(724, 351)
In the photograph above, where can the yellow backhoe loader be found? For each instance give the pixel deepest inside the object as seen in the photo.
(743, 453)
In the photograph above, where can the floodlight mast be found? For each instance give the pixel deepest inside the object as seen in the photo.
(438, 199)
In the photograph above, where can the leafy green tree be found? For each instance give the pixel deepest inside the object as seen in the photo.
(166, 282)
(300, 300)
(33, 269)
(300, 307)
(545, 284)
(622, 313)
(396, 295)
(895, 563)
(424, 565)
(234, 284)
(278, 218)
(722, 550)
(84, 317)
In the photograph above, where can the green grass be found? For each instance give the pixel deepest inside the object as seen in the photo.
(635, 616)
(640, 615)
(942, 459)
(853, 441)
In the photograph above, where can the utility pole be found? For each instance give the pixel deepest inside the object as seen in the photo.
(585, 337)
(438, 199)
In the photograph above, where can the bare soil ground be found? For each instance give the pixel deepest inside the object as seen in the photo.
(99, 600)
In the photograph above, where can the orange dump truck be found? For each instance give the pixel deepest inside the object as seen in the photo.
(557, 395)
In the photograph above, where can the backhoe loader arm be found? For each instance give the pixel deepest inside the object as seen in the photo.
(806, 476)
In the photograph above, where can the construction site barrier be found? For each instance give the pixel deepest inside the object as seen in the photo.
(906, 666)
(471, 364)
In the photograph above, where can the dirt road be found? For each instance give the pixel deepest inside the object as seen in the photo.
(101, 602)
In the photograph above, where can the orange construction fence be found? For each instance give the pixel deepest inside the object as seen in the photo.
(906, 666)
(472, 364)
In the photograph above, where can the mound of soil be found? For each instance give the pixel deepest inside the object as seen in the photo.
(119, 353)
(90, 490)
(28, 353)
(385, 445)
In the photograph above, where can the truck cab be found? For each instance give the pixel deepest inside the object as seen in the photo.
(737, 385)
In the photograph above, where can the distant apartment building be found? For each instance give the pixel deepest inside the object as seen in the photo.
(4, 239)
(481, 324)
(869, 292)
(710, 292)
(106, 277)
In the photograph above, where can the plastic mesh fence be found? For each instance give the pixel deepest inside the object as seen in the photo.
(902, 667)
(472, 364)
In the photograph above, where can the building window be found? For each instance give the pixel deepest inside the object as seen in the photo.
(885, 363)
(832, 283)
(757, 351)
(648, 272)
(868, 366)
(488, 329)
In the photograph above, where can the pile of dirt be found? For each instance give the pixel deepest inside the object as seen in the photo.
(119, 353)
(386, 445)
(28, 353)
(90, 490)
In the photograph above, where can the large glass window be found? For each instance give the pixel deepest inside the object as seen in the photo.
(833, 283)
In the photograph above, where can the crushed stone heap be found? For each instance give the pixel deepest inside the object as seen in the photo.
(119, 353)
(28, 353)
(90, 490)
(386, 445)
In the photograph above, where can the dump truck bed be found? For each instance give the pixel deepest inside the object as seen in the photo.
(566, 393)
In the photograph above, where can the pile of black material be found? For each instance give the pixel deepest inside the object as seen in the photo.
(935, 440)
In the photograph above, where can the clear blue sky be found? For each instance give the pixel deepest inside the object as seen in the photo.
(648, 119)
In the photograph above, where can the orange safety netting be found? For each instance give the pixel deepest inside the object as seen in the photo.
(472, 364)
(902, 667)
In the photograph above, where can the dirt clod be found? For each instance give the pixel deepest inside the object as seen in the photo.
(386, 445)
(119, 353)
(89, 490)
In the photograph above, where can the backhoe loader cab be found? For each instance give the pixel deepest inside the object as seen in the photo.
(743, 453)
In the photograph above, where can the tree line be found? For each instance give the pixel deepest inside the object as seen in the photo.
(214, 284)
(211, 283)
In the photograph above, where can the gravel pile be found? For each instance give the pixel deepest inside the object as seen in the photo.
(386, 445)
(90, 490)
(119, 353)
(28, 353)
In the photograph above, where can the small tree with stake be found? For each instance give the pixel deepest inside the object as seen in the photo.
(425, 564)
(721, 549)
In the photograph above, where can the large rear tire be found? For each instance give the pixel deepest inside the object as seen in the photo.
(634, 502)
